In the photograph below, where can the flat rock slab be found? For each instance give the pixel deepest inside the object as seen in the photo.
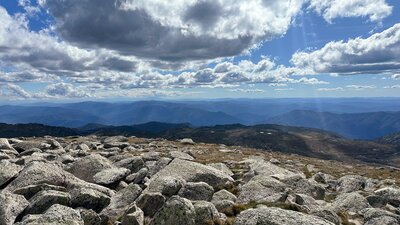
(55, 215)
(277, 216)
(8, 171)
(11, 206)
(110, 176)
(193, 172)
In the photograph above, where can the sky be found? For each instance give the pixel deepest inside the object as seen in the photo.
(52, 50)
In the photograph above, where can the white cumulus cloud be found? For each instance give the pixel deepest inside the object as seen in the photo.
(374, 10)
(378, 53)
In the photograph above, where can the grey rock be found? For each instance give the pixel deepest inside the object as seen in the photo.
(371, 184)
(159, 165)
(351, 183)
(380, 217)
(138, 177)
(29, 152)
(383, 220)
(43, 200)
(11, 205)
(261, 167)
(322, 178)
(223, 195)
(8, 171)
(14, 140)
(205, 213)
(391, 194)
(151, 156)
(38, 173)
(4, 156)
(327, 214)
(119, 145)
(89, 198)
(176, 210)
(26, 145)
(187, 141)
(225, 206)
(277, 216)
(300, 185)
(4, 144)
(222, 167)
(110, 176)
(377, 201)
(134, 216)
(11, 152)
(31, 190)
(121, 185)
(263, 188)
(55, 215)
(116, 139)
(85, 168)
(121, 201)
(83, 147)
(133, 164)
(66, 158)
(274, 161)
(306, 202)
(194, 172)
(150, 202)
(196, 191)
(181, 155)
(350, 202)
(90, 217)
(167, 186)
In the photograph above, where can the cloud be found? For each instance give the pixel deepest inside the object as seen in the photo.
(40, 52)
(284, 89)
(360, 87)
(13, 91)
(28, 76)
(63, 90)
(379, 53)
(95, 48)
(392, 87)
(246, 90)
(331, 89)
(375, 10)
(311, 81)
(182, 31)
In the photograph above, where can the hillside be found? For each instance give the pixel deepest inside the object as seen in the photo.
(392, 139)
(356, 125)
(303, 141)
(34, 130)
(296, 140)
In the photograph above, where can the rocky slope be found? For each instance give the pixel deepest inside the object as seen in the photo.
(132, 181)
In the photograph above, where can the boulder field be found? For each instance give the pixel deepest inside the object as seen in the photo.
(132, 181)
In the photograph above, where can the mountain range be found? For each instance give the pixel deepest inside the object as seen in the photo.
(351, 118)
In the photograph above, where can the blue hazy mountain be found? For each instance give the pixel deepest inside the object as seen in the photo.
(80, 114)
(352, 125)
(358, 118)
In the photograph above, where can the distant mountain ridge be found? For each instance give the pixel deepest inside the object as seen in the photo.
(34, 130)
(352, 118)
(355, 125)
(80, 114)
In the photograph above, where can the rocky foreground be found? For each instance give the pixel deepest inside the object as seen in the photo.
(132, 181)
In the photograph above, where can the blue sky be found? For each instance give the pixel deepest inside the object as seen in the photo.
(62, 50)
